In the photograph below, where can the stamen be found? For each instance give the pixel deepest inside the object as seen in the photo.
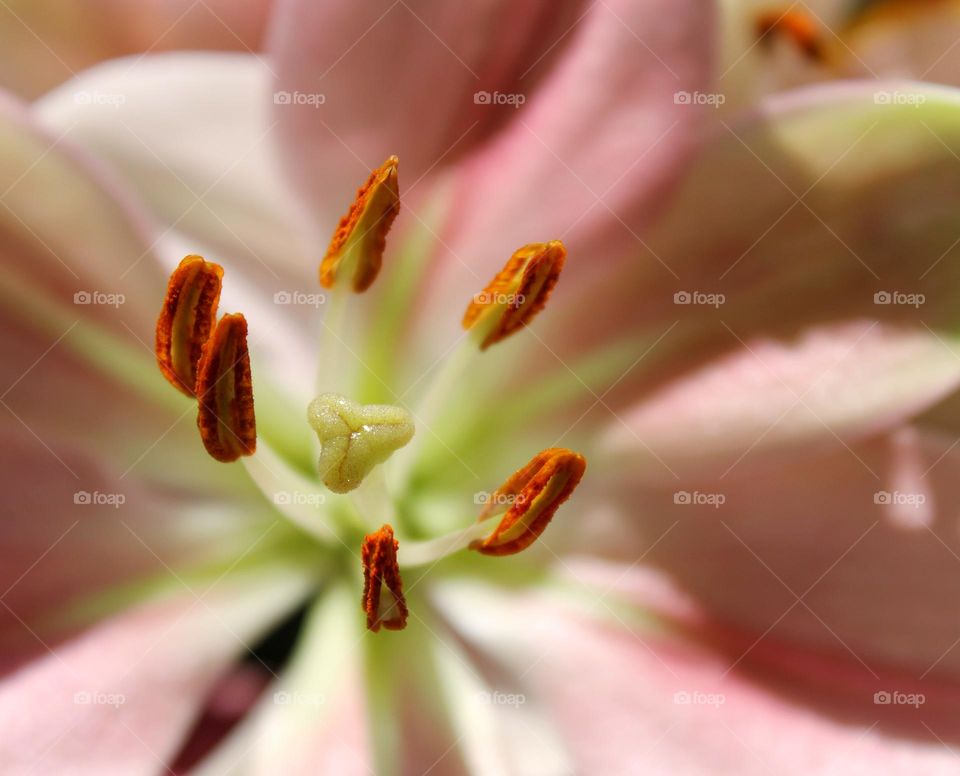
(518, 292)
(225, 390)
(186, 320)
(355, 437)
(534, 494)
(361, 235)
(381, 570)
(794, 25)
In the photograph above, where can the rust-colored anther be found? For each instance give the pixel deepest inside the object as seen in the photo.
(225, 392)
(187, 320)
(518, 292)
(383, 599)
(534, 494)
(361, 235)
(795, 25)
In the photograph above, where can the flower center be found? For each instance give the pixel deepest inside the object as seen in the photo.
(209, 361)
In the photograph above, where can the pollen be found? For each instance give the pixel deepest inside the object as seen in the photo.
(226, 419)
(794, 25)
(186, 320)
(517, 293)
(533, 493)
(357, 245)
(383, 599)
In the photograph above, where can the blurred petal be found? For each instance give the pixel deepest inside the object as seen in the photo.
(48, 41)
(867, 535)
(355, 76)
(637, 699)
(813, 285)
(86, 506)
(215, 190)
(312, 720)
(119, 699)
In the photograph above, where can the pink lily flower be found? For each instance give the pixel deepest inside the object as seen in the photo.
(752, 343)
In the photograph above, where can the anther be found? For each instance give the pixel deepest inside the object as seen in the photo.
(225, 392)
(518, 292)
(383, 599)
(358, 244)
(794, 25)
(187, 320)
(534, 493)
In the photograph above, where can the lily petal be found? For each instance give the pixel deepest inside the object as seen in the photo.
(352, 78)
(48, 41)
(632, 697)
(120, 698)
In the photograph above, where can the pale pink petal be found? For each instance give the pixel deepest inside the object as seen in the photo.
(638, 698)
(356, 84)
(120, 698)
(866, 536)
(48, 41)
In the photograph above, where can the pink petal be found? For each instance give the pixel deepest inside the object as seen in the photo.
(637, 699)
(48, 41)
(119, 698)
(397, 78)
(867, 535)
(85, 416)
